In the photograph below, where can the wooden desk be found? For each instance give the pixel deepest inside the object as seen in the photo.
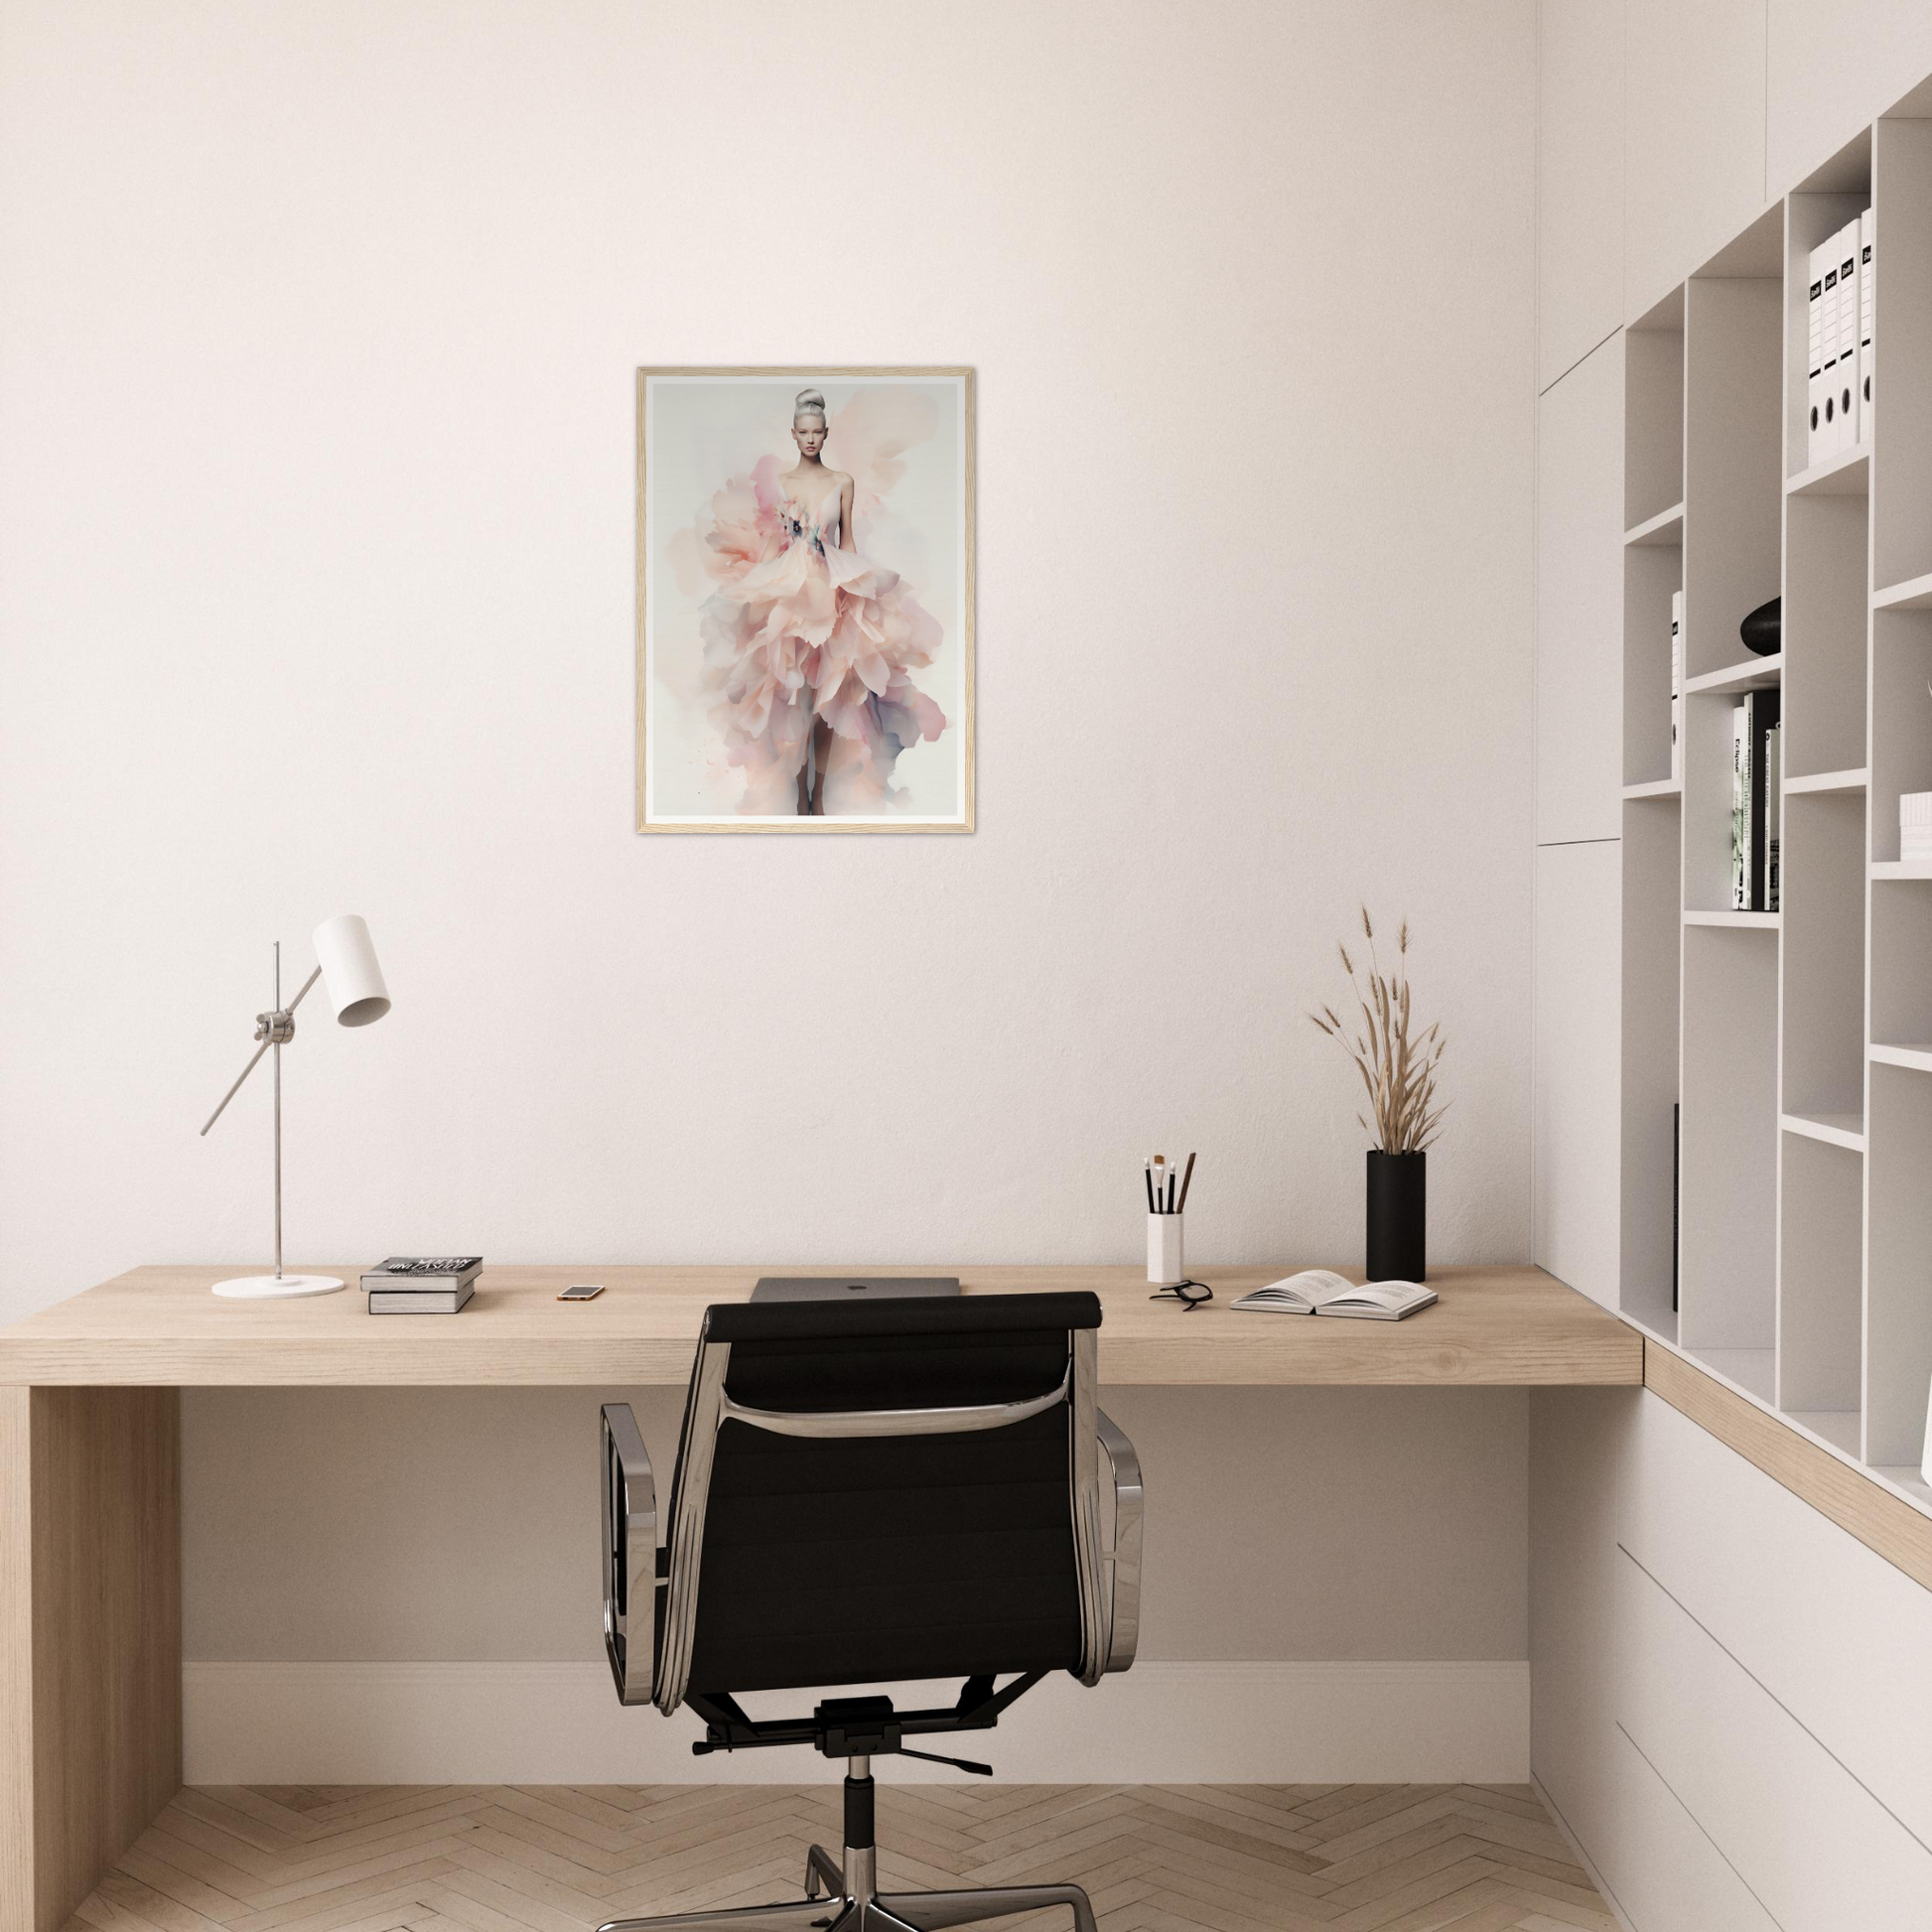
(90, 1461)
(161, 1328)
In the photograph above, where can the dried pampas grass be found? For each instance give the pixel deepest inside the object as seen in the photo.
(1398, 1071)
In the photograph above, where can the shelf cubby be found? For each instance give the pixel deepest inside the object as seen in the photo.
(1826, 611)
(1733, 480)
(1820, 1257)
(1822, 922)
(1901, 400)
(1707, 805)
(1652, 952)
(1901, 719)
(1901, 963)
(1898, 1311)
(1653, 434)
(1729, 1220)
(1652, 573)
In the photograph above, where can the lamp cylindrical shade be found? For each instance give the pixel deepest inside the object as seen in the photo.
(349, 975)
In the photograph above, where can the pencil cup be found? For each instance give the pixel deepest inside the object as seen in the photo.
(1164, 1261)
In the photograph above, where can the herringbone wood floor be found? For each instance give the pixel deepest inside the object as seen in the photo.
(561, 1858)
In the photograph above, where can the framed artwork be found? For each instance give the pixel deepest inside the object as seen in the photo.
(804, 599)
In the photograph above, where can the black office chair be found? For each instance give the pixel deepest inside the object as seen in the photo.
(866, 1494)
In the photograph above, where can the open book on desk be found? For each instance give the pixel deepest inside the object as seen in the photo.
(1321, 1290)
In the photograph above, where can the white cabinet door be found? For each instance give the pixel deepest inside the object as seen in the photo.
(1782, 1588)
(1579, 180)
(1659, 1865)
(1818, 1851)
(1693, 137)
(1835, 64)
(1575, 1112)
(1580, 602)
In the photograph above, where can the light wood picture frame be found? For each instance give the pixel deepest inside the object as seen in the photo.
(804, 599)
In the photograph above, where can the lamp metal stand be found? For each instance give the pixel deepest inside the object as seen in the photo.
(274, 1030)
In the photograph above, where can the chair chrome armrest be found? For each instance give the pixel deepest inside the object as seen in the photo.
(630, 1555)
(842, 1423)
(1124, 1622)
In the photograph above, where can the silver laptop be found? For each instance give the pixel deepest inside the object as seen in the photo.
(848, 1288)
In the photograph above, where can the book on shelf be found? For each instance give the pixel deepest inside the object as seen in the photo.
(1321, 1290)
(420, 1301)
(1762, 719)
(423, 1274)
(1867, 302)
(1752, 816)
(1773, 807)
(1847, 393)
(1825, 268)
(1740, 811)
(1815, 358)
(1677, 687)
(1752, 723)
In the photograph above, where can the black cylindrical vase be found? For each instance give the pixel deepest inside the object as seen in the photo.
(1398, 1216)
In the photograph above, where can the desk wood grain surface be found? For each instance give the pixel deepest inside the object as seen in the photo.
(159, 1326)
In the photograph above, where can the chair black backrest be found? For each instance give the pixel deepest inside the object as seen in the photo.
(863, 1560)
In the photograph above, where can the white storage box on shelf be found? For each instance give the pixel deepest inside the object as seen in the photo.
(1915, 825)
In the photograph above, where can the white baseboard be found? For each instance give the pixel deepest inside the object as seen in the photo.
(561, 1724)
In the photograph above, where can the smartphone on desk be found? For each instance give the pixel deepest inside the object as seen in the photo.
(582, 1292)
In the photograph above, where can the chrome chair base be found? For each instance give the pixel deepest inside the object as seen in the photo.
(856, 1907)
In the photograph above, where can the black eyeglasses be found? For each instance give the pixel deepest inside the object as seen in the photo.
(1191, 1294)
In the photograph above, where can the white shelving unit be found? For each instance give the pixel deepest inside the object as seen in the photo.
(1797, 1043)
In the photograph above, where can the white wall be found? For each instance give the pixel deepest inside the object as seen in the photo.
(316, 492)
(1281, 1523)
(405, 1590)
(316, 339)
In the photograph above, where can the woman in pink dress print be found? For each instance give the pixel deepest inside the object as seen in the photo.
(807, 647)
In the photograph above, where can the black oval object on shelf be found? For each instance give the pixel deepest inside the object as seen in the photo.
(1764, 630)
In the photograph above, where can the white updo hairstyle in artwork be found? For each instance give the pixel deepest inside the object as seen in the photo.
(809, 402)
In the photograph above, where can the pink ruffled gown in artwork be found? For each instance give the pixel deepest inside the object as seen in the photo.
(799, 630)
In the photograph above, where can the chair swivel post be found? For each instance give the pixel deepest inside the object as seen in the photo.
(861, 1837)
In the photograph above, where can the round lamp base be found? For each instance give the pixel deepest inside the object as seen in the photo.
(276, 1288)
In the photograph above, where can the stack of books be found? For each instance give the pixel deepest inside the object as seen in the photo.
(1755, 832)
(1839, 352)
(422, 1284)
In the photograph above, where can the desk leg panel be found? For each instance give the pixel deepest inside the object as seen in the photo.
(89, 1637)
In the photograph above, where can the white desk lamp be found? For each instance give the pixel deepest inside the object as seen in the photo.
(352, 981)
